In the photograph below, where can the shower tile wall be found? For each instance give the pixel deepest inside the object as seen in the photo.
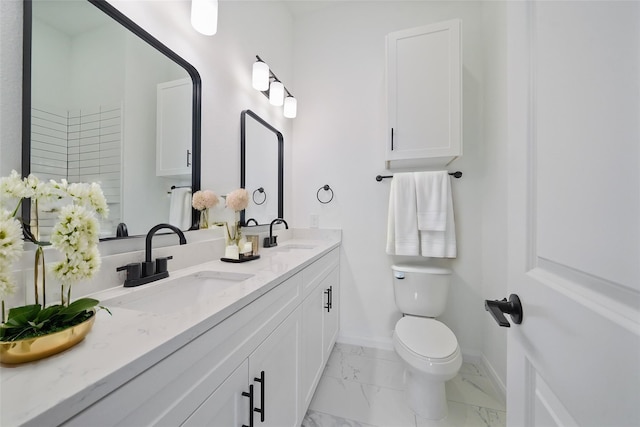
(80, 146)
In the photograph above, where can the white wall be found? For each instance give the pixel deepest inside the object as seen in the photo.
(10, 85)
(495, 178)
(339, 139)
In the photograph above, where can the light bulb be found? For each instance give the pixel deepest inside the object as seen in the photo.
(260, 76)
(204, 16)
(276, 93)
(290, 107)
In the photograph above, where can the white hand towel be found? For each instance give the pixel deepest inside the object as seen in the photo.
(402, 224)
(180, 208)
(432, 191)
(441, 244)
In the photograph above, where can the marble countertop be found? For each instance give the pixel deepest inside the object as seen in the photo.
(121, 346)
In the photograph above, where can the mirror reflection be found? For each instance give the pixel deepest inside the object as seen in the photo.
(108, 106)
(261, 169)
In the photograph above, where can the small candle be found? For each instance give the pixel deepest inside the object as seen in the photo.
(247, 249)
(231, 251)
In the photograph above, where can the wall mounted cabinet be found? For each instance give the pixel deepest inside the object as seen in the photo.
(424, 95)
(173, 128)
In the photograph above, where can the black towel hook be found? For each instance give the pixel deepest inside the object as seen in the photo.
(325, 188)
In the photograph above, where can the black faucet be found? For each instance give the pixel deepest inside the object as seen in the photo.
(151, 270)
(272, 240)
(251, 219)
(122, 231)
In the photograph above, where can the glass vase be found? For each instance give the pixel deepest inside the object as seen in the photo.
(39, 273)
(204, 218)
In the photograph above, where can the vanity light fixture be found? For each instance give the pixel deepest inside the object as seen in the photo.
(276, 93)
(290, 107)
(204, 16)
(260, 75)
(264, 80)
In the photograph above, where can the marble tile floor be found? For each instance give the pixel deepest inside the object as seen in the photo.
(363, 387)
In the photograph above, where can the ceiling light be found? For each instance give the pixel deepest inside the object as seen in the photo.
(204, 16)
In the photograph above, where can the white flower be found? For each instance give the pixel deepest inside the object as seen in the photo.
(43, 192)
(10, 250)
(12, 188)
(78, 266)
(6, 284)
(76, 235)
(10, 238)
(204, 199)
(97, 200)
(89, 195)
(238, 199)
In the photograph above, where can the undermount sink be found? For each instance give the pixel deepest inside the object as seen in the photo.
(175, 294)
(287, 248)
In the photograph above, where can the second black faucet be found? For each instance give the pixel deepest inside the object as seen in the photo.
(272, 240)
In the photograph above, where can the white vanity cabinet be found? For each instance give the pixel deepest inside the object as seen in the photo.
(424, 95)
(268, 380)
(258, 351)
(319, 319)
(174, 128)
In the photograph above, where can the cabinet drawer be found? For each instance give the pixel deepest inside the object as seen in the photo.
(313, 274)
(168, 392)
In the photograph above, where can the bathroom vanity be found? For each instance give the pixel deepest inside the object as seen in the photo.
(214, 344)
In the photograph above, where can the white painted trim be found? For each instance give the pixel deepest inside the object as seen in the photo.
(379, 343)
(498, 385)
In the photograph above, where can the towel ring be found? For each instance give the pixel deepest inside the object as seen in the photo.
(325, 188)
(259, 190)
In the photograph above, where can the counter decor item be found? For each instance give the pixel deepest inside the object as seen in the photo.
(237, 200)
(34, 331)
(202, 201)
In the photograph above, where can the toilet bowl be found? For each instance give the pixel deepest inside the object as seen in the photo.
(428, 348)
(431, 356)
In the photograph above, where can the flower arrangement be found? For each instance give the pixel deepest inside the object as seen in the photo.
(75, 235)
(237, 200)
(202, 201)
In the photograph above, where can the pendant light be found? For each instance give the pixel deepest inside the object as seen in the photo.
(204, 16)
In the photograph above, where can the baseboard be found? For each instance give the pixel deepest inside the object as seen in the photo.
(500, 387)
(371, 342)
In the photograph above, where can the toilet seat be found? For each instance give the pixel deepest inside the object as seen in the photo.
(426, 339)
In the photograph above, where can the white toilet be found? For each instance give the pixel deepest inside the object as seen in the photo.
(428, 347)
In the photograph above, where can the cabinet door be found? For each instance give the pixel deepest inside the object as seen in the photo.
(174, 128)
(274, 373)
(312, 353)
(424, 68)
(331, 294)
(226, 407)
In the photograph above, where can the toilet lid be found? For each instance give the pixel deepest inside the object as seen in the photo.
(426, 337)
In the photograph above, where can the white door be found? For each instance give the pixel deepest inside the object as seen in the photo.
(574, 213)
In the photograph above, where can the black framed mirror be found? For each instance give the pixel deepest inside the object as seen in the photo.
(96, 45)
(261, 169)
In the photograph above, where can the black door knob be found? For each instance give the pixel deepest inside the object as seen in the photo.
(512, 307)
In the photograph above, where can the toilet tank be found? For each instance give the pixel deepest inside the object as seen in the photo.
(421, 290)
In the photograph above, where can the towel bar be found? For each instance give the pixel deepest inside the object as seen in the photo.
(456, 174)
